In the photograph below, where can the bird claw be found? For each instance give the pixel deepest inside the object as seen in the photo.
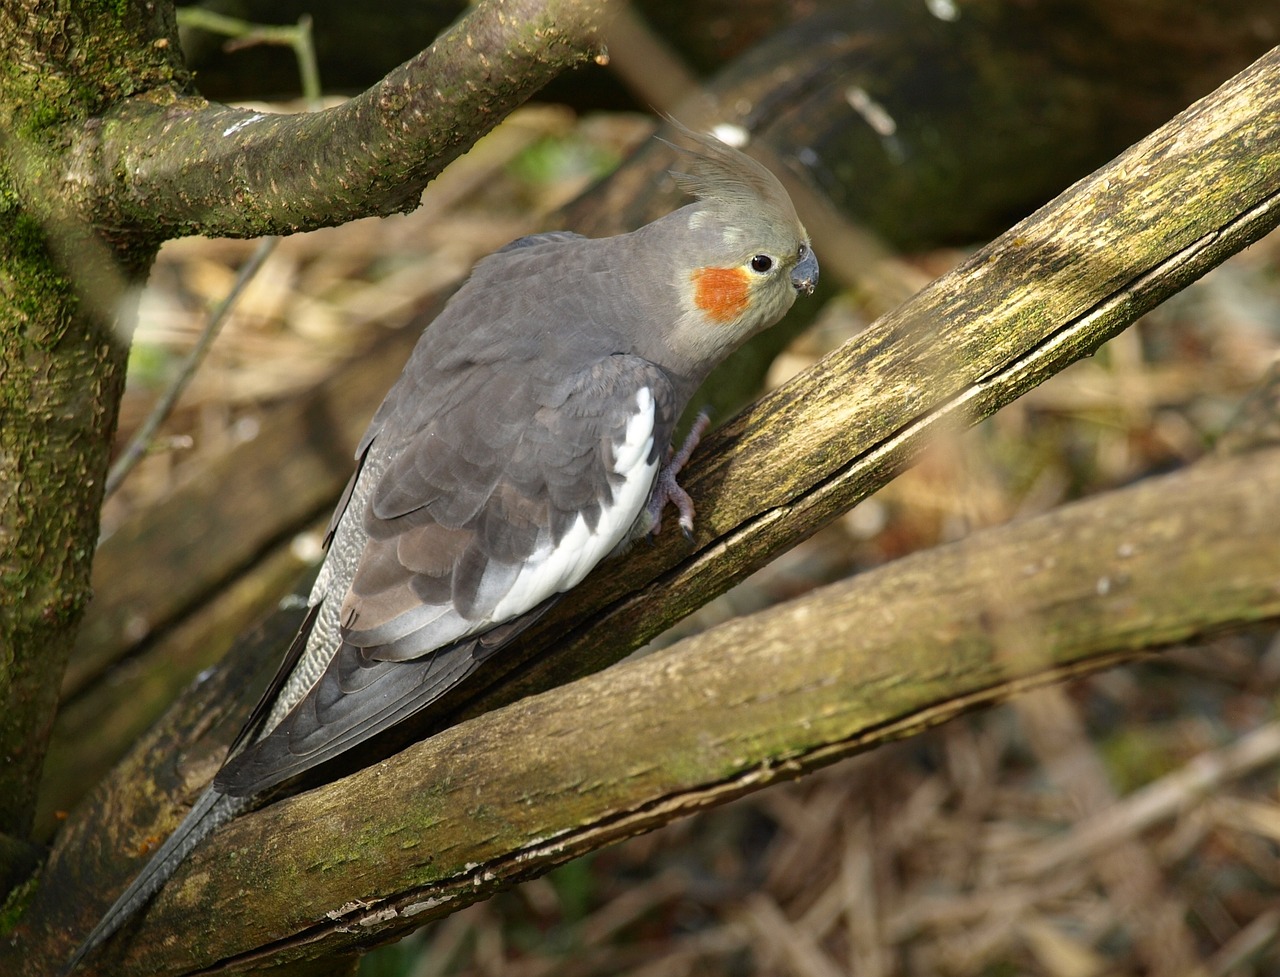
(667, 489)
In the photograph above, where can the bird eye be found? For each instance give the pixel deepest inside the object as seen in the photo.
(761, 263)
(800, 252)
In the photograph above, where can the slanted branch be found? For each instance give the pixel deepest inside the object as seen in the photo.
(510, 794)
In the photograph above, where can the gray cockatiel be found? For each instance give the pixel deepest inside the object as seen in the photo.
(524, 443)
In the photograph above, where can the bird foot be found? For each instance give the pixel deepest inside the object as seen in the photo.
(667, 489)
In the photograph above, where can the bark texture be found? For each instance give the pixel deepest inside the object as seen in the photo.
(61, 362)
(195, 167)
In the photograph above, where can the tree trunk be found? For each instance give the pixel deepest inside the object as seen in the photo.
(63, 291)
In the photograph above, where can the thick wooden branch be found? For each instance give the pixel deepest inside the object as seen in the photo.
(1048, 292)
(510, 794)
(187, 166)
(764, 698)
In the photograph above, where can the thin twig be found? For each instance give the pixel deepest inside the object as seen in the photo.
(1158, 801)
(246, 34)
(141, 440)
(298, 37)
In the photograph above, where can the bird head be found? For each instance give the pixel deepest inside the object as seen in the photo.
(747, 255)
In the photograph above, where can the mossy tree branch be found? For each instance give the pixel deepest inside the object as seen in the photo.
(193, 167)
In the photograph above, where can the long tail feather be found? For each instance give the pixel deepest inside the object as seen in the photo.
(210, 811)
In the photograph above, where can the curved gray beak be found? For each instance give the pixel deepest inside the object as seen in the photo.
(804, 276)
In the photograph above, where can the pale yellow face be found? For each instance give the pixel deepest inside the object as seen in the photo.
(753, 292)
(751, 253)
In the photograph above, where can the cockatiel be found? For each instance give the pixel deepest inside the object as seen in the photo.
(524, 443)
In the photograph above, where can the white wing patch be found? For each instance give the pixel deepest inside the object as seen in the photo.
(555, 569)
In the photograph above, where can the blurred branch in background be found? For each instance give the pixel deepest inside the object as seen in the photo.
(245, 34)
(142, 439)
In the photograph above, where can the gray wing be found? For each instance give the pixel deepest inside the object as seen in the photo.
(482, 514)
(543, 237)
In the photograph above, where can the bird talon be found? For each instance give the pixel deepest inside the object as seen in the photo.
(667, 489)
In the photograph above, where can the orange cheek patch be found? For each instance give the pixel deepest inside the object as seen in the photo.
(720, 292)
